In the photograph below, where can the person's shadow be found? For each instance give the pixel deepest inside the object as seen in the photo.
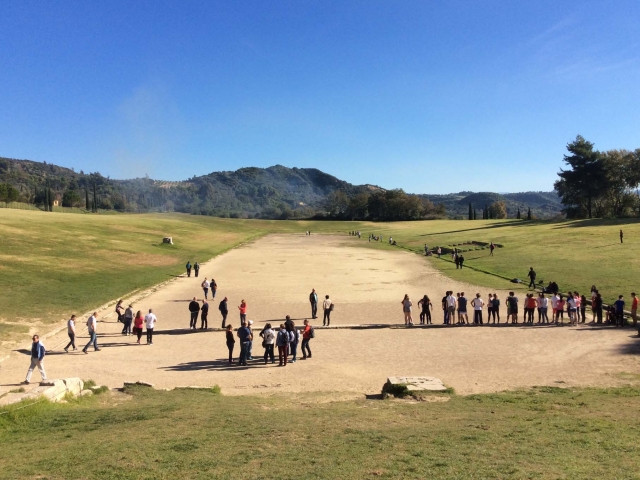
(215, 365)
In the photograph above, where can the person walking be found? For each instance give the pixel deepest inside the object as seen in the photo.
(231, 341)
(128, 320)
(282, 342)
(532, 278)
(477, 304)
(313, 300)
(37, 360)
(406, 309)
(461, 261)
(327, 307)
(307, 334)
(120, 311)
(621, 235)
(137, 325)
(150, 320)
(71, 331)
(224, 310)
(194, 309)
(425, 313)
(243, 311)
(188, 267)
(244, 334)
(214, 288)
(205, 287)
(196, 269)
(92, 324)
(268, 340)
(204, 313)
(492, 247)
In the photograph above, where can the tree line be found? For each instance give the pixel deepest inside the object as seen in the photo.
(380, 205)
(599, 184)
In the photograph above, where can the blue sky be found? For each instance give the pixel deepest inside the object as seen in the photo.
(428, 96)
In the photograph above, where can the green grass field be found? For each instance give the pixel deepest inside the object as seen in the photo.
(544, 432)
(54, 264)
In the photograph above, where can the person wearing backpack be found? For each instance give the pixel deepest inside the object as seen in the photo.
(188, 267)
(268, 339)
(282, 341)
(307, 334)
(196, 268)
(128, 320)
(294, 339)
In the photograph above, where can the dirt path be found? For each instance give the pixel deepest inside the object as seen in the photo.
(275, 275)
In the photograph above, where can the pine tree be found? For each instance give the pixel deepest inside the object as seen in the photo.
(529, 214)
(518, 217)
(470, 211)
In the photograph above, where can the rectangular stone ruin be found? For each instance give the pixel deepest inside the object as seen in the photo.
(415, 384)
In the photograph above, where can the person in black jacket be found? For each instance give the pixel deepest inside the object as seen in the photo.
(313, 299)
(194, 308)
(196, 268)
(224, 310)
(204, 312)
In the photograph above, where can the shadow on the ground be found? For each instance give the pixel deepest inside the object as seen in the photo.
(217, 365)
(630, 348)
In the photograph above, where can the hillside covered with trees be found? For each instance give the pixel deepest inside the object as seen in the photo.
(275, 193)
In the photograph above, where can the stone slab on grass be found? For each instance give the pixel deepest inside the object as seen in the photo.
(418, 384)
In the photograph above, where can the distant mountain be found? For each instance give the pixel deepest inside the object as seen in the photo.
(274, 192)
(542, 204)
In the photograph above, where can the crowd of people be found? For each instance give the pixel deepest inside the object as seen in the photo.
(535, 309)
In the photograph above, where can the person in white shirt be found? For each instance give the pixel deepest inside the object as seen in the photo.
(150, 321)
(477, 304)
(92, 324)
(205, 287)
(451, 307)
(544, 306)
(327, 306)
(554, 306)
(71, 331)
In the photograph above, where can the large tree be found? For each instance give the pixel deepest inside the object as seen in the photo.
(582, 184)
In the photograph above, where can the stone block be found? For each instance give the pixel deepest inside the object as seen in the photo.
(11, 398)
(74, 385)
(85, 393)
(56, 392)
(418, 384)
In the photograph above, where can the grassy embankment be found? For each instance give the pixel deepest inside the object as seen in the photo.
(55, 264)
(544, 432)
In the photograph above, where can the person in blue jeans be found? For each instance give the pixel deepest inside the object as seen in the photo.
(244, 334)
(93, 335)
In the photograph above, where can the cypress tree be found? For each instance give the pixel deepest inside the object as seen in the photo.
(95, 201)
(46, 198)
(475, 215)
(518, 217)
(529, 214)
(86, 199)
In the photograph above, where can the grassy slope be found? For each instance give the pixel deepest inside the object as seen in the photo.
(55, 264)
(540, 433)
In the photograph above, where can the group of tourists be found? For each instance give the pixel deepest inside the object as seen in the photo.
(286, 338)
(196, 268)
(454, 309)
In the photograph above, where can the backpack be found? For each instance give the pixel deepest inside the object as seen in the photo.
(283, 337)
(331, 307)
(312, 333)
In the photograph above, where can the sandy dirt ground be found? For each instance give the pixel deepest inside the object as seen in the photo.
(275, 275)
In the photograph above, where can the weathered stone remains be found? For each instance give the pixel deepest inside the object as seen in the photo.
(417, 384)
(168, 240)
(52, 390)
